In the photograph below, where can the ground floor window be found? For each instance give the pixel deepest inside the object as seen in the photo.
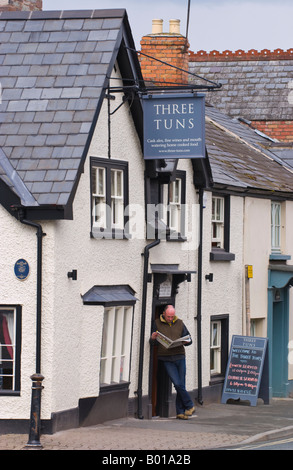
(215, 364)
(10, 317)
(218, 345)
(116, 345)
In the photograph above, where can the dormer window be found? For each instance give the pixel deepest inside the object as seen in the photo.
(109, 192)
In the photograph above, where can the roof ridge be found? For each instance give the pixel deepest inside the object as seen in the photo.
(240, 54)
(62, 14)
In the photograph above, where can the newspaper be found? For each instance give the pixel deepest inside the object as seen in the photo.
(168, 343)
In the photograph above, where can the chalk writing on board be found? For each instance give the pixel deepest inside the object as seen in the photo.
(243, 372)
(245, 368)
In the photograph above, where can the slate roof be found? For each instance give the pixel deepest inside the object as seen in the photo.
(252, 89)
(53, 67)
(244, 160)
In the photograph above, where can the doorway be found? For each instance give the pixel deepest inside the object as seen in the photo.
(161, 384)
(279, 344)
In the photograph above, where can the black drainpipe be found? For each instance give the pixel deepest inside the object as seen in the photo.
(142, 326)
(37, 378)
(199, 298)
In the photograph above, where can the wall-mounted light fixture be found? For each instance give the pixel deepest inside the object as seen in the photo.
(210, 277)
(72, 275)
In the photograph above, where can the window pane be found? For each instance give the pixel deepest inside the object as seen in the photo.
(116, 183)
(101, 181)
(218, 222)
(119, 183)
(7, 349)
(115, 358)
(99, 201)
(175, 205)
(276, 226)
(105, 336)
(98, 181)
(215, 347)
(218, 209)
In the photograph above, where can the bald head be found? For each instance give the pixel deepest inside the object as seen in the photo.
(169, 313)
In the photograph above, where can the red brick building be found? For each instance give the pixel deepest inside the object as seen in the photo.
(256, 86)
(21, 5)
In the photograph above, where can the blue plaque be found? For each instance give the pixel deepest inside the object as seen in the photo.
(21, 269)
(174, 126)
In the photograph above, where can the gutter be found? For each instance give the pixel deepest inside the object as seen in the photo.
(142, 326)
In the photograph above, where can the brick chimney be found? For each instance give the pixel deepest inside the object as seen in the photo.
(171, 48)
(21, 5)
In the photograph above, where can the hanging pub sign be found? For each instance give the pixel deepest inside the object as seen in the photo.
(174, 126)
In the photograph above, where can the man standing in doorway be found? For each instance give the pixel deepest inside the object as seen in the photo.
(174, 358)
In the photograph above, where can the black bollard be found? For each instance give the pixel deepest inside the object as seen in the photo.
(35, 419)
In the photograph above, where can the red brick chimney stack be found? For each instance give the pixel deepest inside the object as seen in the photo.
(21, 5)
(171, 48)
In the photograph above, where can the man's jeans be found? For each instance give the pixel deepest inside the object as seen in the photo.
(177, 371)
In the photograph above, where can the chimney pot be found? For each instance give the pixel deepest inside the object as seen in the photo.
(174, 26)
(157, 26)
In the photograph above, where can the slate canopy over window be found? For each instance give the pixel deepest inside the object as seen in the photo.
(110, 295)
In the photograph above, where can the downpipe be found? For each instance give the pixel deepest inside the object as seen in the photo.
(199, 300)
(142, 326)
(37, 378)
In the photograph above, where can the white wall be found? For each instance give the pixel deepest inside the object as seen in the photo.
(223, 296)
(257, 250)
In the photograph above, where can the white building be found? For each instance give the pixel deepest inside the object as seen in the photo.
(77, 302)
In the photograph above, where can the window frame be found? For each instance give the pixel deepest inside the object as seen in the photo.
(110, 230)
(110, 360)
(222, 253)
(215, 348)
(158, 198)
(15, 391)
(276, 249)
(223, 322)
(177, 233)
(218, 222)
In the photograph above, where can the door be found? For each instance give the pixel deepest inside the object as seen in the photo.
(161, 384)
(279, 345)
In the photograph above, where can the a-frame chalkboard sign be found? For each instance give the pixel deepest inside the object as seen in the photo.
(247, 373)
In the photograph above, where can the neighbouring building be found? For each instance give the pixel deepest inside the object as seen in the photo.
(21, 5)
(256, 87)
(246, 215)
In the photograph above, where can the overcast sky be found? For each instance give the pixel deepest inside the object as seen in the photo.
(214, 24)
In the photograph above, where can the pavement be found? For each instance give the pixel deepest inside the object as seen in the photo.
(213, 426)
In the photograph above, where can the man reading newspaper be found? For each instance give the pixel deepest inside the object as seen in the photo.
(173, 358)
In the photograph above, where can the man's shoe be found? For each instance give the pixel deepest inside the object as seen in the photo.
(190, 411)
(182, 416)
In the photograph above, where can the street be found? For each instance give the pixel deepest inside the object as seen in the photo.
(277, 444)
